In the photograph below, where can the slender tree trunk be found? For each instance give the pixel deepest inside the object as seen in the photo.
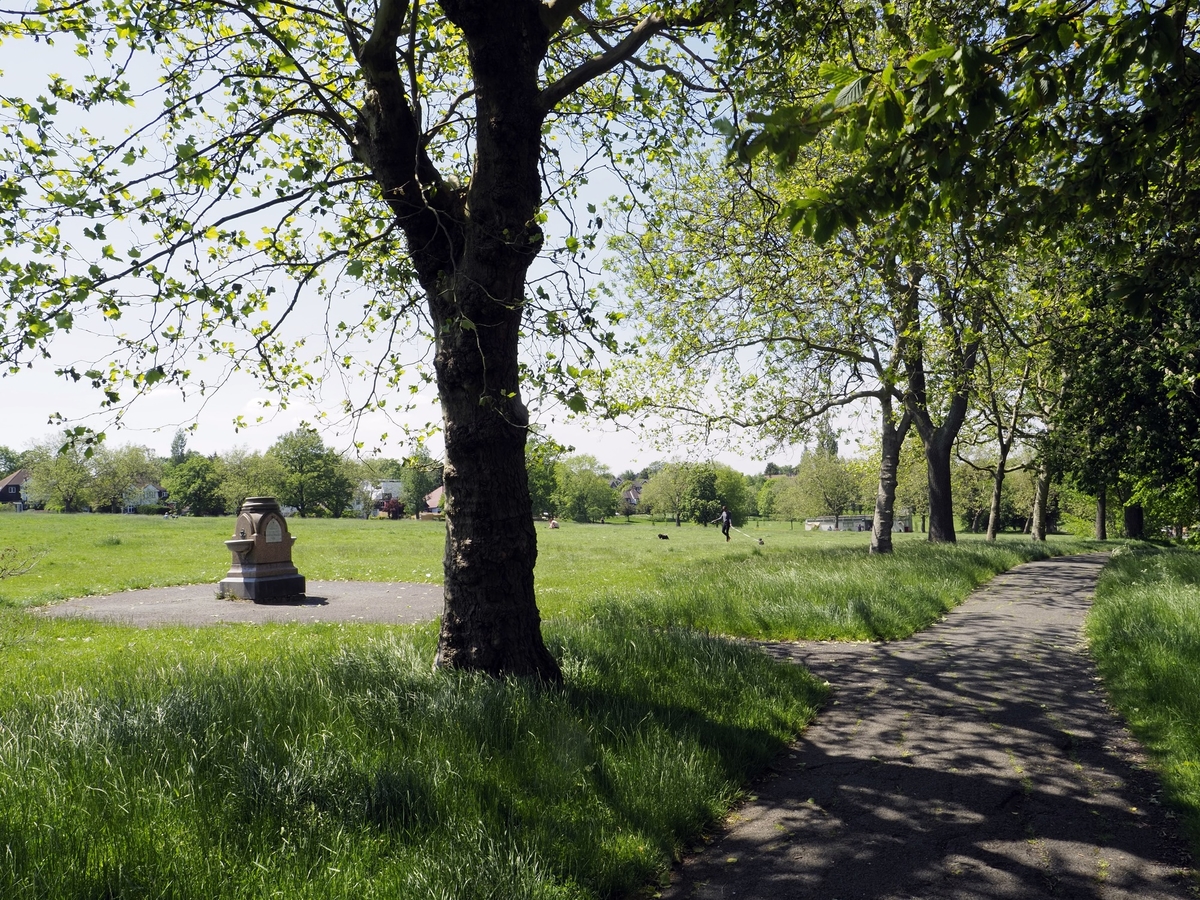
(892, 435)
(1102, 514)
(938, 439)
(1041, 497)
(997, 494)
(1135, 521)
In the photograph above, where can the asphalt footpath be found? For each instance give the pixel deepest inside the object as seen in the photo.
(391, 603)
(977, 760)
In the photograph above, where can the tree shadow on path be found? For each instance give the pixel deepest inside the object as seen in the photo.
(978, 759)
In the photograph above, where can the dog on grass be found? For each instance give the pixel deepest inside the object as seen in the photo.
(664, 537)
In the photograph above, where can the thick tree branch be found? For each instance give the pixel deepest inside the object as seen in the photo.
(387, 139)
(605, 62)
(555, 13)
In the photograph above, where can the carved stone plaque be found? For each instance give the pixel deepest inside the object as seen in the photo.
(274, 531)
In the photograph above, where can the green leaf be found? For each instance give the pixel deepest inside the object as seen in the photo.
(892, 113)
(852, 92)
(826, 224)
(837, 74)
(979, 116)
(577, 402)
(923, 62)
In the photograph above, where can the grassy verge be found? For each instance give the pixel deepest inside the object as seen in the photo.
(830, 592)
(329, 761)
(1144, 631)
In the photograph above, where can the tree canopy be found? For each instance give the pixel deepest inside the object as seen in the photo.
(395, 161)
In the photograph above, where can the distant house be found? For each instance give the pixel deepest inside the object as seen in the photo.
(388, 490)
(12, 488)
(433, 500)
(633, 495)
(371, 495)
(855, 522)
(142, 495)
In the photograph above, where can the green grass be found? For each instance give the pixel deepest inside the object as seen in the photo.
(577, 564)
(98, 554)
(829, 592)
(1144, 631)
(326, 761)
(331, 762)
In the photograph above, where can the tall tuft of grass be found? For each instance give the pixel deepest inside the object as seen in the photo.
(331, 762)
(1144, 631)
(826, 593)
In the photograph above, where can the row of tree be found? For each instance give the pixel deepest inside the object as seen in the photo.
(315, 480)
(776, 291)
(822, 483)
(298, 469)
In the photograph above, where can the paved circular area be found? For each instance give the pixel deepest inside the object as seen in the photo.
(198, 604)
(977, 760)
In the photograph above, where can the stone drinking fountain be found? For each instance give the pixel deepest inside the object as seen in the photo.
(262, 567)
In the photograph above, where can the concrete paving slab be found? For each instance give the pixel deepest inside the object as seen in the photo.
(198, 604)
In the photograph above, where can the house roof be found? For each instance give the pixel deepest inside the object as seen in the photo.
(434, 497)
(18, 478)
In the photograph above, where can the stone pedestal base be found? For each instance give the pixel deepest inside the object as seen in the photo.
(263, 583)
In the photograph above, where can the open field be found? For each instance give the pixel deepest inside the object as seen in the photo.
(577, 564)
(94, 554)
(329, 761)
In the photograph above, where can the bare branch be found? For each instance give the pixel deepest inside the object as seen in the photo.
(605, 62)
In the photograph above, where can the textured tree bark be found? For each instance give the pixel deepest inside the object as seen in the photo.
(1102, 514)
(472, 248)
(1041, 497)
(491, 621)
(938, 439)
(997, 494)
(892, 434)
(941, 500)
(1135, 521)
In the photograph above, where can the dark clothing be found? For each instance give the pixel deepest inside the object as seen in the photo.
(726, 523)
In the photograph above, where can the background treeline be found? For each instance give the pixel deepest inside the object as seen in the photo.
(298, 469)
(316, 480)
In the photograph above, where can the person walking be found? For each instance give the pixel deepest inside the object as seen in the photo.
(726, 521)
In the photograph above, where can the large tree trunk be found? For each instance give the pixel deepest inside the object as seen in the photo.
(471, 249)
(1041, 497)
(941, 499)
(892, 436)
(1102, 514)
(1135, 521)
(491, 621)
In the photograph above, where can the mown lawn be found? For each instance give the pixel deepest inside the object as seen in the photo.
(325, 761)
